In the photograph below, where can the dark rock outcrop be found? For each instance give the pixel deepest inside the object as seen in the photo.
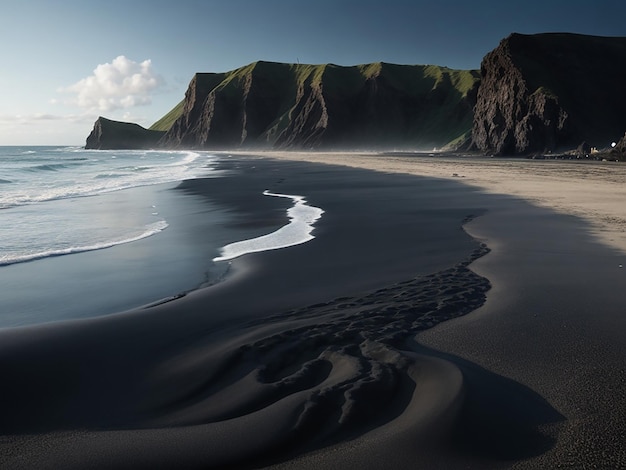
(315, 106)
(108, 135)
(550, 92)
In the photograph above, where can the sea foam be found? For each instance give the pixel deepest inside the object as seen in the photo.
(52, 175)
(150, 230)
(52, 200)
(297, 231)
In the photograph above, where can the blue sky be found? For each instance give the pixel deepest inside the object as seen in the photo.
(65, 62)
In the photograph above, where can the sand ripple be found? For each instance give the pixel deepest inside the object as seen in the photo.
(324, 372)
(267, 390)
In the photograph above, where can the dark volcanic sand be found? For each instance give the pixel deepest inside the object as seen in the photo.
(310, 348)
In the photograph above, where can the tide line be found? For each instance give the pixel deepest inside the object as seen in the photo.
(297, 231)
(151, 229)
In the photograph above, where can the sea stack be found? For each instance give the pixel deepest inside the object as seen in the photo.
(111, 135)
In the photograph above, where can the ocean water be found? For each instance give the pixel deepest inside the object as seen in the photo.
(31, 178)
(86, 233)
(72, 221)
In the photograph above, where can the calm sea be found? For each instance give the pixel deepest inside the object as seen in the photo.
(75, 220)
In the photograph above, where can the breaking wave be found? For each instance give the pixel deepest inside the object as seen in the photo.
(150, 230)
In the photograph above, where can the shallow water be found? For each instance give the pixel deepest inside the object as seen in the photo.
(50, 204)
(123, 276)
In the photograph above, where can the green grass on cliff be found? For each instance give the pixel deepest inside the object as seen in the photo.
(464, 80)
(168, 120)
(416, 81)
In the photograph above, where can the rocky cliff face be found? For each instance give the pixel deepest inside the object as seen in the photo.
(549, 92)
(108, 135)
(305, 106)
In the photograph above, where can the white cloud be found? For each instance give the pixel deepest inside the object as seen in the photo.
(120, 84)
(13, 119)
(45, 129)
(32, 119)
(45, 117)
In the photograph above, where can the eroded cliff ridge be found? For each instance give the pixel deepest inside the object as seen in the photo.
(550, 92)
(267, 104)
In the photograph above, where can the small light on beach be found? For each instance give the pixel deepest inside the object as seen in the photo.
(613, 144)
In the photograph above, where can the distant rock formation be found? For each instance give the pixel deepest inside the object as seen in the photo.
(110, 135)
(534, 94)
(276, 105)
(550, 92)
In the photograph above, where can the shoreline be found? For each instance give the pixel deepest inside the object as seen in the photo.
(547, 183)
(305, 357)
(171, 362)
(66, 287)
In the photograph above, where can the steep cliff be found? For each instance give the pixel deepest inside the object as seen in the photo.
(108, 134)
(277, 105)
(548, 92)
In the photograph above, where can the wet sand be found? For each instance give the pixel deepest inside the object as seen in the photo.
(591, 190)
(390, 340)
(553, 320)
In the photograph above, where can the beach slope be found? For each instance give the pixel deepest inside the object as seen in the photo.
(393, 338)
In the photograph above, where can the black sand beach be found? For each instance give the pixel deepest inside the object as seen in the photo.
(307, 357)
